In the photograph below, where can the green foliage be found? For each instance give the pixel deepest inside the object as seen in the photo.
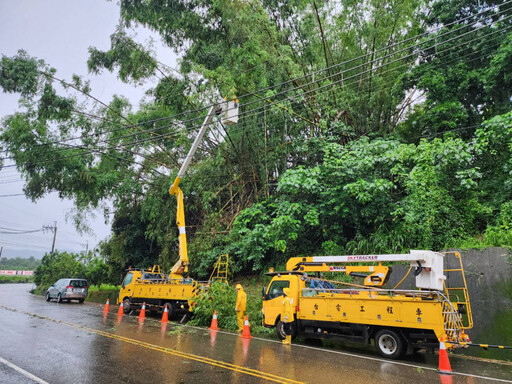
(19, 74)
(379, 196)
(16, 279)
(103, 287)
(59, 265)
(220, 297)
(464, 81)
(20, 263)
(395, 149)
(97, 271)
(133, 60)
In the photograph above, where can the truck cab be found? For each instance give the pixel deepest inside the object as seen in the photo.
(127, 289)
(273, 296)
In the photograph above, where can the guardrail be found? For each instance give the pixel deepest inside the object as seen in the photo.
(9, 272)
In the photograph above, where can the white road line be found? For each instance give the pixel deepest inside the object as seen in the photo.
(23, 372)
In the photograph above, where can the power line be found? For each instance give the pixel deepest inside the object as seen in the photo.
(318, 71)
(246, 113)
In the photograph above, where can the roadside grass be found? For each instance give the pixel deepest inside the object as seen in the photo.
(16, 279)
(100, 293)
(103, 287)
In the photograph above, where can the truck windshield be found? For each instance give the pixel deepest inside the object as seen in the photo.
(276, 289)
(127, 279)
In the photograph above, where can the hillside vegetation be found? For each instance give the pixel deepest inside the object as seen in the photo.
(364, 126)
(20, 263)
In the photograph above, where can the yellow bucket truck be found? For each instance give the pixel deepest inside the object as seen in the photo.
(158, 289)
(396, 320)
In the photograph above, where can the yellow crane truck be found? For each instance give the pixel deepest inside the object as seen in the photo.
(158, 289)
(396, 320)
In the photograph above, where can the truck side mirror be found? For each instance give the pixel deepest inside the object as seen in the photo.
(263, 293)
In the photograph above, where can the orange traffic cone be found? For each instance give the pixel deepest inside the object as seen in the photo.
(444, 362)
(142, 314)
(246, 334)
(106, 308)
(165, 316)
(120, 311)
(213, 326)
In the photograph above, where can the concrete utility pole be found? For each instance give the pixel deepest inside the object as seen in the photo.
(54, 235)
(54, 230)
(1, 249)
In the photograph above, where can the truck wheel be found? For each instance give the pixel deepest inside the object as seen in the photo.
(280, 331)
(127, 306)
(389, 344)
(171, 309)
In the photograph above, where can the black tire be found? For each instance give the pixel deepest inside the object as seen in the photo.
(48, 296)
(171, 308)
(81, 301)
(389, 344)
(127, 306)
(281, 335)
(59, 298)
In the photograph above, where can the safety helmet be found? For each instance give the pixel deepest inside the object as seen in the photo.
(238, 286)
(286, 291)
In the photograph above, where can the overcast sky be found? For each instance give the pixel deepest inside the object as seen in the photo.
(60, 32)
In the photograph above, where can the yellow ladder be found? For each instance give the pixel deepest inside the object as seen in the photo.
(453, 293)
(220, 269)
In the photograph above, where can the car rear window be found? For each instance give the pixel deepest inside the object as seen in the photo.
(78, 283)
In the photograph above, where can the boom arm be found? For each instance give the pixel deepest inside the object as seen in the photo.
(230, 109)
(429, 273)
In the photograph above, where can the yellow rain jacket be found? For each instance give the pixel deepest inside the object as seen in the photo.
(241, 300)
(287, 308)
(240, 307)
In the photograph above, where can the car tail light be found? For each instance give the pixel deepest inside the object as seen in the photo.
(69, 288)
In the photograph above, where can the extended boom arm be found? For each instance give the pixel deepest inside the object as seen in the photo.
(230, 109)
(429, 272)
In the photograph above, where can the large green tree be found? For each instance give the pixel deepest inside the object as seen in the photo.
(339, 145)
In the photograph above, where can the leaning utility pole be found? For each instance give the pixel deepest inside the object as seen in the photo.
(54, 230)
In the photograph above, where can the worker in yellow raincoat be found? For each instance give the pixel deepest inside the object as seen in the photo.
(287, 316)
(240, 307)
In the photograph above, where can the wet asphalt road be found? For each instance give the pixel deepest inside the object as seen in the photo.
(73, 343)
